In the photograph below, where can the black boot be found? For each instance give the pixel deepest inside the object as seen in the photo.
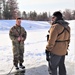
(21, 66)
(16, 67)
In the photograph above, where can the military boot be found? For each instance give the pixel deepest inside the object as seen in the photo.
(16, 67)
(21, 66)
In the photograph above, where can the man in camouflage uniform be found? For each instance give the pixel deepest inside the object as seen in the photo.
(18, 36)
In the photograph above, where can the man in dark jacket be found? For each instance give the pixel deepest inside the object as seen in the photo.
(58, 43)
(18, 36)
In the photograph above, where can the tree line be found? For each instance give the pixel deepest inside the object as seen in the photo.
(9, 10)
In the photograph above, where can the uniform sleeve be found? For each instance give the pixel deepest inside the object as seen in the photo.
(24, 35)
(52, 38)
(12, 35)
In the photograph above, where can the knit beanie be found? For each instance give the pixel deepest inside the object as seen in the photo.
(58, 14)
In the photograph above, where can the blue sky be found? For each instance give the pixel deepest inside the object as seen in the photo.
(45, 5)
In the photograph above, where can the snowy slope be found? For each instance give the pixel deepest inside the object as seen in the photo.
(35, 43)
(28, 25)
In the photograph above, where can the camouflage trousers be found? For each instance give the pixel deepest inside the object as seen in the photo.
(18, 53)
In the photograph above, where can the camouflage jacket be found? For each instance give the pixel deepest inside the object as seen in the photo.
(17, 31)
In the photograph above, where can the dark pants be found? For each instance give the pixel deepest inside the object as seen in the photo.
(57, 62)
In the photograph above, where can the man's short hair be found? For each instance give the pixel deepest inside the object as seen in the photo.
(18, 18)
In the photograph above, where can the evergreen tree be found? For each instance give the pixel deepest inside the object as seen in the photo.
(24, 15)
(12, 8)
(6, 12)
(73, 14)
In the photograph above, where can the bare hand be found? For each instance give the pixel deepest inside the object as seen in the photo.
(19, 39)
(22, 39)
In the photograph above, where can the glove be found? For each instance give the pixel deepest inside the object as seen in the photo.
(67, 53)
(47, 55)
(47, 37)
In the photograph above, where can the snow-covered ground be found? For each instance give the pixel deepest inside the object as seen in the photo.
(34, 55)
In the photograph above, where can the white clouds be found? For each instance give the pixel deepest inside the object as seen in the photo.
(45, 5)
(31, 2)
